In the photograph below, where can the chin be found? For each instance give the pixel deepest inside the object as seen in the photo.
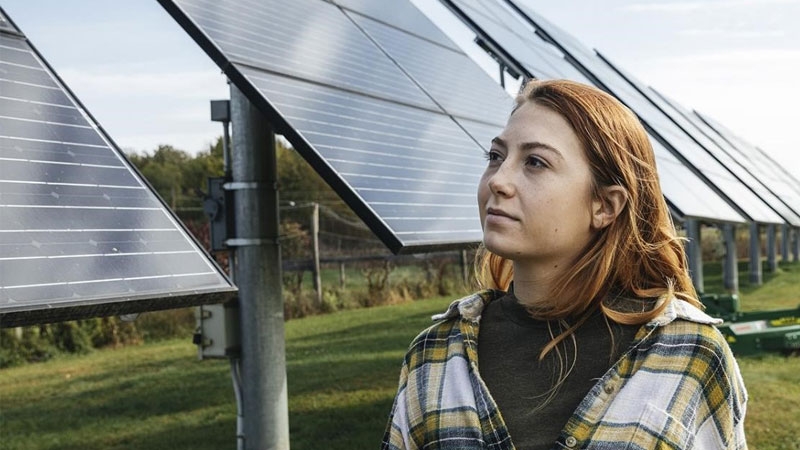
(501, 248)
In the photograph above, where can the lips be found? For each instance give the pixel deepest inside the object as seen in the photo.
(499, 212)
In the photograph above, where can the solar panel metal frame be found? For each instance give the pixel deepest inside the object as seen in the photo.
(306, 149)
(82, 308)
(512, 61)
(542, 31)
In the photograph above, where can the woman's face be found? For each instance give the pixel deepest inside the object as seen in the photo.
(535, 197)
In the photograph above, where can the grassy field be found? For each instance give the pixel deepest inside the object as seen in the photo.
(342, 371)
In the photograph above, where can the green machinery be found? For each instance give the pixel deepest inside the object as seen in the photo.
(750, 333)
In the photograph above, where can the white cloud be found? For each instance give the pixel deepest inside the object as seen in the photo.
(786, 59)
(692, 6)
(731, 33)
(162, 85)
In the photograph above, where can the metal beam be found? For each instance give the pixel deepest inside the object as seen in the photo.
(258, 273)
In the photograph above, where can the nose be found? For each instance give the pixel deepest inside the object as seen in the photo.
(501, 182)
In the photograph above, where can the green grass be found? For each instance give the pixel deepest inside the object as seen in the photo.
(773, 409)
(781, 289)
(342, 371)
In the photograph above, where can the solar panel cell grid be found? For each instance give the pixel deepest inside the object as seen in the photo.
(80, 234)
(403, 162)
(309, 39)
(462, 88)
(400, 14)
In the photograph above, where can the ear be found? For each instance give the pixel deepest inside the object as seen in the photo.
(607, 206)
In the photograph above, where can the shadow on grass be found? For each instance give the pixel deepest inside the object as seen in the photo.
(344, 427)
(123, 394)
(220, 434)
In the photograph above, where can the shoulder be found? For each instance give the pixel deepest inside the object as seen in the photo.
(698, 351)
(445, 337)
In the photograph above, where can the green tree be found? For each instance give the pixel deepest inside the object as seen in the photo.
(300, 183)
(164, 169)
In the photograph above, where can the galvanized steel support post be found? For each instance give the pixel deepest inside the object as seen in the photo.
(756, 273)
(796, 246)
(772, 259)
(730, 271)
(694, 253)
(258, 273)
(786, 238)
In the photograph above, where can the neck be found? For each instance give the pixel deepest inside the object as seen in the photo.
(532, 283)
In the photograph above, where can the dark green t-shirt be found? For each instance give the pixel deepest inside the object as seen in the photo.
(509, 343)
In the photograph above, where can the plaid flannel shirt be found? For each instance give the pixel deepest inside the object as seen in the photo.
(677, 387)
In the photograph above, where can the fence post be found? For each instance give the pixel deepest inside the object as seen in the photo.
(315, 240)
(464, 267)
(342, 276)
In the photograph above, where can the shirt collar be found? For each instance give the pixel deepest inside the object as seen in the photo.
(471, 308)
(681, 309)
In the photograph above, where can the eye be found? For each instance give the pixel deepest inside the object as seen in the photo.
(535, 162)
(493, 156)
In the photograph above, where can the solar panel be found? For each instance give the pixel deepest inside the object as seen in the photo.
(764, 182)
(714, 149)
(688, 195)
(782, 181)
(351, 96)
(81, 234)
(688, 150)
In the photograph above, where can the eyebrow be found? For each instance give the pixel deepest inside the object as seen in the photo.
(529, 146)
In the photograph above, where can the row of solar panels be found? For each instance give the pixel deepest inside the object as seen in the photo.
(395, 115)
(382, 103)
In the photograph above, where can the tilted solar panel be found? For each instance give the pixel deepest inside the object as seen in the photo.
(766, 183)
(81, 234)
(754, 155)
(689, 151)
(346, 86)
(687, 194)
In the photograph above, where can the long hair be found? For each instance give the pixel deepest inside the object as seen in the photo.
(638, 255)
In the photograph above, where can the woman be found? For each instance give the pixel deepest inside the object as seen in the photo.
(599, 342)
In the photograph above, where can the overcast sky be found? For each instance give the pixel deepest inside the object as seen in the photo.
(148, 83)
